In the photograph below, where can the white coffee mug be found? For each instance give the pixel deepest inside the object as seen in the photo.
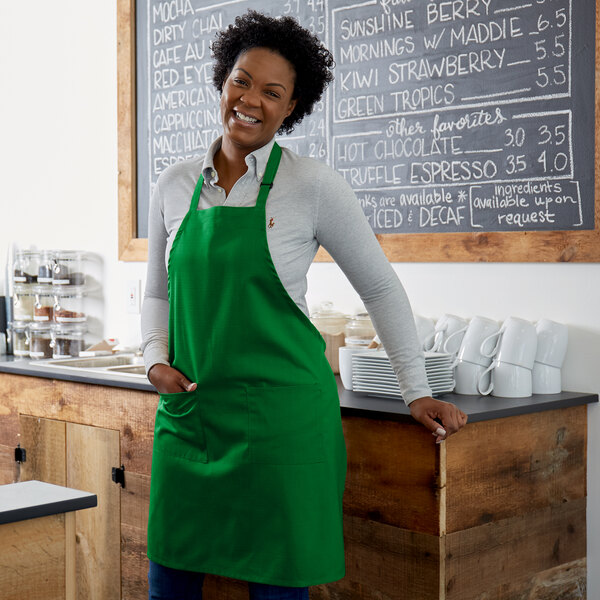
(516, 343)
(479, 329)
(467, 375)
(552, 343)
(425, 327)
(508, 381)
(446, 327)
(546, 379)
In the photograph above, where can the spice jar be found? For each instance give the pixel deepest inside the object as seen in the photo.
(20, 338)
(43, 306)
(46, 266)
(359, 331)
(23, 299)
(330, 324)
(67, 339)
(40, 340)
(68, 305)
(25, 266)
(69, 268)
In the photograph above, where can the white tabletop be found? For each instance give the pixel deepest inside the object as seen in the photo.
(31, 499)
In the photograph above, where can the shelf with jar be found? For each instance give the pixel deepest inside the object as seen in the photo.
(49, 317)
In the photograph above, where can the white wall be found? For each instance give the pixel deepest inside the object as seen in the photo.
(58, 161)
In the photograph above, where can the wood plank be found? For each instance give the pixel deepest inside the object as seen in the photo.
(92, 452)
(15, 389)
(532, 461)
(494, 555)
(393, 474)
(8, 467)
(70, 557)
(565, 582)
(44, 441)
(385, 563)
(135, 499)
(32, 559)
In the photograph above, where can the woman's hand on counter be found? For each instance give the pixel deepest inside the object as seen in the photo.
(425, 410)
(168, 380)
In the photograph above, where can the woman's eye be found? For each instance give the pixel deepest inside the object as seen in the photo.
(239, 81)
(274, 94)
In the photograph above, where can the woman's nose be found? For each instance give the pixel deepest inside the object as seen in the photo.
(249, 98)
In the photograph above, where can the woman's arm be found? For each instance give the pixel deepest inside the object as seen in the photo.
(155, 310)
(343, 230)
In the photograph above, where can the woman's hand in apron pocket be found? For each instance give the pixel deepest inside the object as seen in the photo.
(430, 412)
(168, 380)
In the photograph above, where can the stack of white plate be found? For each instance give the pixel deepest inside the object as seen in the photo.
(373, 375)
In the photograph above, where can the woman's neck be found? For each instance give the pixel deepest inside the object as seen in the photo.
(230, 163)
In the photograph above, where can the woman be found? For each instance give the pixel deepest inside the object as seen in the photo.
(249, 460)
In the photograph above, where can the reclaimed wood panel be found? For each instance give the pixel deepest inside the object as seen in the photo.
(8, 467)
(531, 461)
(135, 500)
(565, 582)
(129, 411)
(495, 554)
(92, 452)
(44, 440)
(70, 557)
(32, 559)
(384, 562)
(393, 474)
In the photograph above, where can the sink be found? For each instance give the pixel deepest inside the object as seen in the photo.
(128, 365)
(95, 362)
(129, 369)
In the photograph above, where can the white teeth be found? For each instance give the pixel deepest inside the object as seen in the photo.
(245, 118)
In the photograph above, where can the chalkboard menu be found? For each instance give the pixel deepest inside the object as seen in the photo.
(444, 116)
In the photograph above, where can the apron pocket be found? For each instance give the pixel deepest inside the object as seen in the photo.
(284, 425)
(178, 428)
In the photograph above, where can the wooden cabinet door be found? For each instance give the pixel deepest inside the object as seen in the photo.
(82, 457)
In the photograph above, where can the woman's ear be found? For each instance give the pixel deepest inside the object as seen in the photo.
(291, 107)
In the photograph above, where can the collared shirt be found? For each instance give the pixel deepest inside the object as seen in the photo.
(309, 205)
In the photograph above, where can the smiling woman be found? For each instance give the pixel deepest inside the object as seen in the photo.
(249, 458)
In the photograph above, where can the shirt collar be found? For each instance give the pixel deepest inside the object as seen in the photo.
(256, 161)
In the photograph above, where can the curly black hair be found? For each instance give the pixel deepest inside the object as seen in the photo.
(312, 62)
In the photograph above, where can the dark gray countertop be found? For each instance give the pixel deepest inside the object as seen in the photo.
(478, 408)
(32, 499)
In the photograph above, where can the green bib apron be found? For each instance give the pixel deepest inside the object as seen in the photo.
(248, 470)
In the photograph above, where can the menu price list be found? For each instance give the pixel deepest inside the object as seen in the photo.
(443, 116)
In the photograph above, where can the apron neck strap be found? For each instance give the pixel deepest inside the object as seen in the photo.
(270, 172)
(265, 186)
(196, 195)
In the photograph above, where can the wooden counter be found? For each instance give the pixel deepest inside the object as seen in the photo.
(495, 512)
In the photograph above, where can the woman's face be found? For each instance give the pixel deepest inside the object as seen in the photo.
(257, 97)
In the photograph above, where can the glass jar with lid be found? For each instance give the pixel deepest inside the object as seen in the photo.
(68, 304)
(359, 331)
(43, 305)
(40, 340)
(20, 337)
(25, 266)
(68, 339)
(23, 300)
(69, 267)
(331, 324)
(46, 266)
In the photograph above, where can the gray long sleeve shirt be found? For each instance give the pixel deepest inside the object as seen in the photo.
(310, 205)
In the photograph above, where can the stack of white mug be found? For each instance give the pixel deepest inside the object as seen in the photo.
(509, 361)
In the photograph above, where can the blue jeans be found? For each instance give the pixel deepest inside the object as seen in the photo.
(172, 584)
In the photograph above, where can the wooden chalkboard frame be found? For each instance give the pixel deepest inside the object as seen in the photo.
(525, 246)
